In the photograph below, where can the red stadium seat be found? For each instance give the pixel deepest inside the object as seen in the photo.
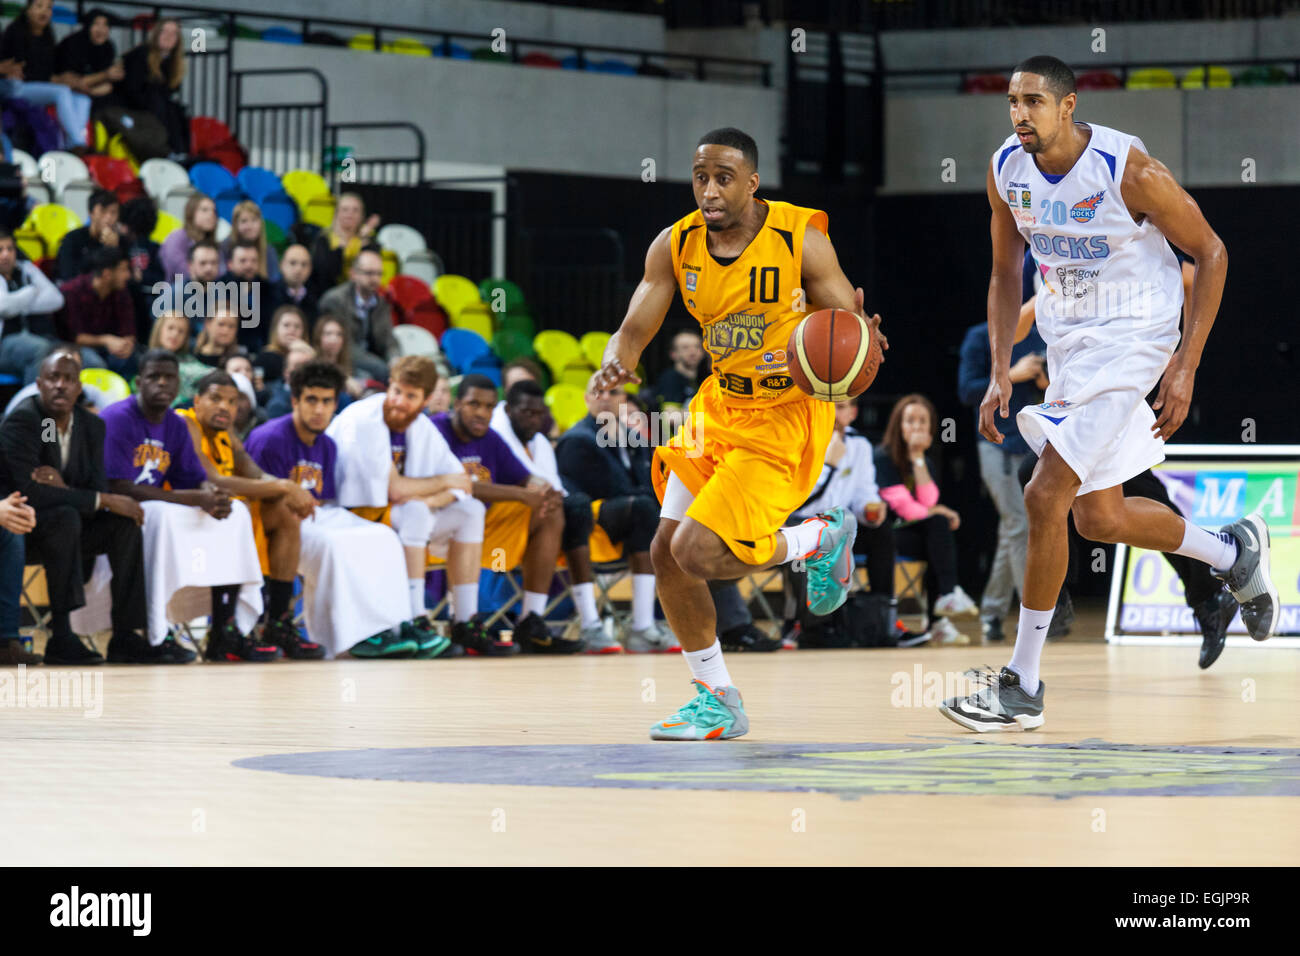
(986, 83)
(109, 173)
(1099, 80)
(540, 59)
(207, 133)
(407, 292)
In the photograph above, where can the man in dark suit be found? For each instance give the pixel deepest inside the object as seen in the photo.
(367, 313)
(606, 457)
(52, 452)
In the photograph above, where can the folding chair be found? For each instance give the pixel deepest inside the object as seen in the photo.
(909, 579)
(33, 575)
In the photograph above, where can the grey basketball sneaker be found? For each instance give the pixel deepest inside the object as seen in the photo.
(655, 639)
(596, 641)
(1248, 578)
(1001, 705)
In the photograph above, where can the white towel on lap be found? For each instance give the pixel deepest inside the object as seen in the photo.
(365, 453)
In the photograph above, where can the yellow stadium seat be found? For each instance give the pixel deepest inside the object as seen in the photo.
(567, 405)
(167, 224)
(319, 211)
(117, 150)
(577, 374)
(362, 41)
(53, 222)
(407, 46)
(454, 292)
(1220, 78)
(593, 347)
(30, 242)
(101, 137)
(557, 349)
(114, 386)
(476, 317)
(1154, 78)
(391, 265)
(303, 185)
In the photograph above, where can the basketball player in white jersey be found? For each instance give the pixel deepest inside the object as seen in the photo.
(1097, 209)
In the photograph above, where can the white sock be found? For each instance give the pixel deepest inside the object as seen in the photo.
(1031, 635)
(464, 600)
(416, 587)
(534, 603)
(643, 601)
(584, 595)
(801, 540)
(1218, 550)
(708, 667)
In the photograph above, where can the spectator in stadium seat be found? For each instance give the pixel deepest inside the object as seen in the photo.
(138, 219)
(337, 247)
(27, 57)
(27, 303)
(517, 370)
(334, 345)
(98, 314)
(293, 286)
(440, 398)
(171, 332)
(597, 458)
(288, 325)
(396, 468)
(367, 315)
(254, 288)
(246, 223)
(77, 517)
(278, 505)
(17, 518)
(518, 420)
(149, 456)
(905, 475)
(354, 570)
(279, 400)
(218, 339)
(200, 222)
(679, 382)
(525, 515)
(90, 56)
(150, 86)
(80, 245)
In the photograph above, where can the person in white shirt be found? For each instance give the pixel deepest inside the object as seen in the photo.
(26, 296)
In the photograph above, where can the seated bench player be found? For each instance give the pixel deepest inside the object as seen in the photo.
(198, 541)
(277, 506)
(525, 515)
(394, 467)
(353, 570)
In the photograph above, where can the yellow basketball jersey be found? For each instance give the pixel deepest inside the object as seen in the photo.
(218, 450)
(748, 307)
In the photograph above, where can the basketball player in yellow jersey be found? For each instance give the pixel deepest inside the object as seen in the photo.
(754, 444)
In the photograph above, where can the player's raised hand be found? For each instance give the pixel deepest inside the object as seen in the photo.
(996, 399)
(1174, 399)
(873, 321)
(611, 375)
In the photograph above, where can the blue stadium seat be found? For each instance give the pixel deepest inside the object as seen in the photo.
(488, 365)
(613, 66)
(280, 209)
(570, 63)
(460, 347)
(258, 183)
(212, 178)
(454, 51)
(281, 35)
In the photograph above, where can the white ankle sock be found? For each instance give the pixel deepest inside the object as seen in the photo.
(801, 540)
(643, 601)
(416, 589)
(464, 599)
(584, 596)
(1217, 549)
(1031, 635)
(534, 603)
(708, 667)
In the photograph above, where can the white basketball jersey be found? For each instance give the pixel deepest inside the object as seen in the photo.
(1099, 268)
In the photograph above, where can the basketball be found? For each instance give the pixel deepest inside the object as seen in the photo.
(833, 355)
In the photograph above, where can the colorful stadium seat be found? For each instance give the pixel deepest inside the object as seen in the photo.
(424, 265)
(108, 172)
(166, 225)
(60, 169)
(429, 315)
(1194, 79)
(544, 60)
(1153, 78)
(257, 183)
(454, 292)
(1099, 80)
(510, 345)
(476, 317)
(1259, 75)
(52, 222)
(557, 349)
(276, 236)
(567, 403)
(462, 346)
(407, 46)
(510, 298)
(408, 292)
(403, 240)
(281, 35)
(303, 185)
(593, 347)
(279, 209)
(414, 340)
(986, 83)
(31, 242)
(520, 322)
(161, 176)
(319, 211)
(114, 386)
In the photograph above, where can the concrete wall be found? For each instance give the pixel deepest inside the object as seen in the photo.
(1201, 135)
(526, 118)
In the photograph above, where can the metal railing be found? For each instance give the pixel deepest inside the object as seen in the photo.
(900, 79)
(395, 168)
(280, 136)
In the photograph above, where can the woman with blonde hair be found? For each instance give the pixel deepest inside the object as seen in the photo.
(218, 339)
(171, 331)
(334, 345)
(337, 246)
(200, 223)
(154, 71)
(246, 223)
(288, 325)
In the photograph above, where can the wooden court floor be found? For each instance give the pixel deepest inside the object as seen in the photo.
(1144, 759)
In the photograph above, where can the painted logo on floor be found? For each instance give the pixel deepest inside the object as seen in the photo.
(1090, 768)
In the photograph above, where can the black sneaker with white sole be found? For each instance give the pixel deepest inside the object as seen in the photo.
(1001, 704)
(1248, 579)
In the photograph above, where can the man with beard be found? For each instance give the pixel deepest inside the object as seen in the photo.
(198, 541)
(352, 569)
(278, 506)
(395, 468)
(62, 477)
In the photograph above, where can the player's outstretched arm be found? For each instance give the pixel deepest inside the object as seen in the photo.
(1150, 190)
(645, 314)
(1004, 309)
(826, 286)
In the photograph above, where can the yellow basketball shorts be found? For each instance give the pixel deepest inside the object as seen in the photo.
(749, 469)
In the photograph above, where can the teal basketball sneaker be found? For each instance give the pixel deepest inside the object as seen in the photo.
(830, 564)
(712, 715)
